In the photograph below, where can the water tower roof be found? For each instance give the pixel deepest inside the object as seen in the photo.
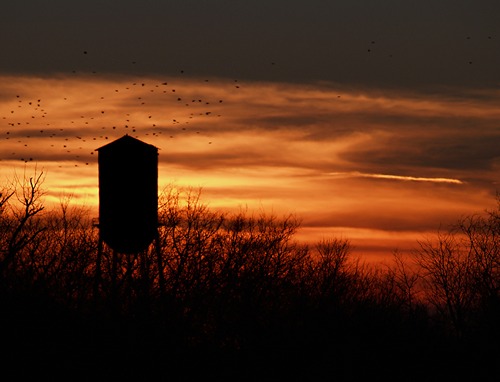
(126, 142)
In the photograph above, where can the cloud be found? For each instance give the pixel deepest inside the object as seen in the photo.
(381, 44)
(362, 159)
(258, 123)
(398, 177)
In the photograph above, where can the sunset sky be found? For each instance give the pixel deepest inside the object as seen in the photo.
(375, 121)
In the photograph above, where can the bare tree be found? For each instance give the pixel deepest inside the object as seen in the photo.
(5, 221)
(188, 240)
(21, 228)
(5, 194)
(406, 277)
(330, 267)
(447, 273)
(482, 238)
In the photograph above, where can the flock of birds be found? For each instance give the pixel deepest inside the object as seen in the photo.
(33, 126)
(29, 126)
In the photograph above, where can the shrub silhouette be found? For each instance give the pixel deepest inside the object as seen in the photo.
(234, 295)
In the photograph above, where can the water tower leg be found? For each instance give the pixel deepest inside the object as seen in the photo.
(159, 262)
(114, 272)
(97, 280)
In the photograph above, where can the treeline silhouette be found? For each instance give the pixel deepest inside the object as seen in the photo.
(236, 297)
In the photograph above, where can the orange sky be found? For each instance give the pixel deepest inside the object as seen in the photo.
(381, 168)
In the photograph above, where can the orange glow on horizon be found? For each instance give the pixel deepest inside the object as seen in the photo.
(377, 167)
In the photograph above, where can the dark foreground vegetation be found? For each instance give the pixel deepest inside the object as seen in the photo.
(235, 297)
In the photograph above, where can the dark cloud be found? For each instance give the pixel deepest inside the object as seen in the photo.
(390, 206)
(285, 121)
(377, 219)
(440, 152)
(382, 44)
(237, 157)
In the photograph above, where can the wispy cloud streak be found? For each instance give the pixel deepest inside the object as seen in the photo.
(396, 177)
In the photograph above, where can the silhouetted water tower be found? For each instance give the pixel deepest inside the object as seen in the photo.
(128, 194)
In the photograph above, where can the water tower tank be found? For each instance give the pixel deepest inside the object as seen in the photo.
(128, 194)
